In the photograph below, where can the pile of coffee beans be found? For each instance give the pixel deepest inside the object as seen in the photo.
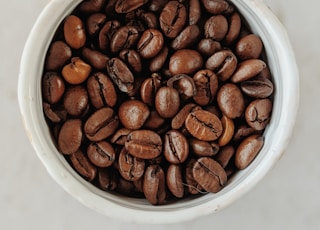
(157, 99)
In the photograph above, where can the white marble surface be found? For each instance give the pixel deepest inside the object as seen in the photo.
(287, 198)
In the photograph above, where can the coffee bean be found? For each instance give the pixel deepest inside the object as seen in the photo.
(204, 148)
(249, 47)
(158, 61)
(107, 179)
(58, 55)
(101, 154)
(83, 166)
(148, 18)
(216, 6)
(178, 120)
(258, 87)
(95, 58)
(174, 180)
(131, 168)
(242, 132)
(185, 61)
(184, 84)
(155, 121)
(70, 136)
(216, 27)
(157, 5)
(132, 58)
(91, 6)
(53, 113)
(74, 32)
(95, 23)
(107, 32)
(203, 125)
(167, 102)
(194, 12)
(149, 88)
(76, 72)
(224, 156)
(75, 100)
(208, 46)
(209, 174)
(101, 124)
(248, 150)
(258, 113)
(150, 43)
(144, 144)
(154, 185)
(120, 136)
(186, 38)
(124, 38)
(125, 6)
(176, 147)
(248, 69)
(53, 87)
(228, 131)
(234, 29)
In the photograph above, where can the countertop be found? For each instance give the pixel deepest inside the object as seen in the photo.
(287, 198)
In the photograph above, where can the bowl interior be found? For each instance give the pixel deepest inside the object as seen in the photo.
(285, 77)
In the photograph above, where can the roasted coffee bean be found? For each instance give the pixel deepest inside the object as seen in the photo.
(216, 6)
(194, 12)
(54, 114)
(209, 174)
(150, 43)
(174, 180)
(59, 54)
(258, 113)
(157, 5)
(193, 186)
(127, 188)
(173, 18)
(133, 114)
(223, 63)
(53, 87)
(248, 150)
(131, 168)
(249, 47)
(224, 156)
(208, 46)
(132, 58)
(176, 147)
(101, 91)
(83, 166)
(242, 132)
(101, 124)
(149, 89)
(230, 100)
(228, 131)
(125, 6)
(234, 29)
(203, 125)
(216, 27)
(101, 154)
(158, 61)
(258, 87)
(149, 19)
(121, 75)
(70, 136)
(106, 33)
(186, 38)
(74, 32)
(154, 185)
(184, 84)
(214, 109)
(77, 71)
(95, 58)
(206, 83)
(107, 179)
(124, 38)
(204, 148)
(155, 121)
(248, 69)
(110, 8)
(167, 102)
(178, 120)
(120, 136)
(91, 6)
(95, 23)
(185, 61)
(144, 144)
(76, 100)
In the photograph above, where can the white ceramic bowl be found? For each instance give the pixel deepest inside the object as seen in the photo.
(285, 76)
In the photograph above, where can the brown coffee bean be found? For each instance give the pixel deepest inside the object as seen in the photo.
(53, 113)
(203, 125)
(216, 27)
(95, 23)
(157, 5)
(149, 88)
(101, 91)
(155, 121)
(230, 100)
(209, 174)
(194, 12)
(120, 136)
(178, 120)
(150, 43)
(101, 154)
(121, 75)
(167, 102)
(58, 55)
(176, 147)
(148, 18)
(91, 6)
(173, 18)
(83, 166)
(124, 38)
(216, 6)
(249, 47)
(106, 33)
(131, 168)
(132, 58)
(76, 100)
(174, 180)
(125, 6)
(144, 144)
(133, 114)
(258, 87)
(248, 69)
(70, 136)
(76, 72)
(95, 58)
(228, 131)
(208, 46)
(193, 186)
(224, 156)
(214, 109)
(258, 113)
(127, 188)
(248, 150)
(185, 61)
(223, 63)
(242, 132)
(186, 38)
(74, 32)
(204, 148)
(154, 185)
(158, 61)
(101, 124)
(107, 179)
(207, 86)
(234, 29)
(53, 87)
(184, 84)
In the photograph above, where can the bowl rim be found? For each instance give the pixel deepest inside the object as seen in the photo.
(28, 97)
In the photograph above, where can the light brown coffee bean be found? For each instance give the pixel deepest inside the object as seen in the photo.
(186, 38)
(95, 58)
(216, 27)
(208, 46)
(234, 29)
(216, 6)
(192, 185)
(257, 87)
(174, 180)
(76, 72)
(70, 136)
(224, 156)
(228, 131)
(248, 69)
(120, 136)
(204, 148)
(154, 185)
(74, 32)
(158, 61)
(185, 61)
(249, 47)
(101, 154)
(194, 12)
(258, 113)
(167, 102)
(59, 54)
(131, 168)
(176, 147)
(83, 166)
(150, 43)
